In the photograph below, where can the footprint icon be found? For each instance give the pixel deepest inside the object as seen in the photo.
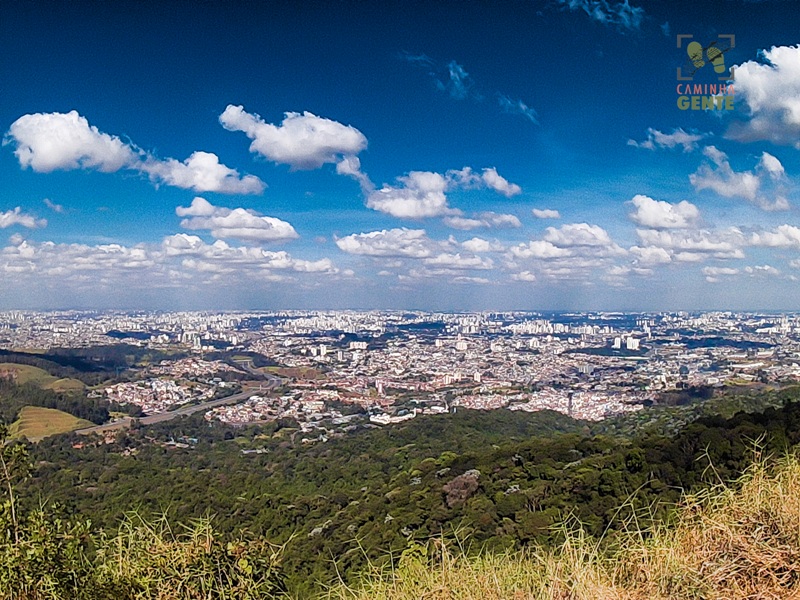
(695, 52)
(714, 54)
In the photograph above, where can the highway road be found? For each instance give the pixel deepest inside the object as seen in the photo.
(186, 410)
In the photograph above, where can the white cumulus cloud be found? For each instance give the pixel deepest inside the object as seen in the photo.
(693, 245)
(477, 244)
(539, 249)
(771, 92)
(420, 194)
(499, 184)
(651, 255)
(659, 214)
(657, 139)
(423, 194)
(302, 141)
(237, 223)
(783, 236)
(17, 217)
(201, 172)
(458, 261)
(523, 276)
(486, 219)
(545, 213)
(47, 142)
(402, 242)
(763, 187)
(578, 234)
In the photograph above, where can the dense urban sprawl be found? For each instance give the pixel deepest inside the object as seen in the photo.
(330, 371)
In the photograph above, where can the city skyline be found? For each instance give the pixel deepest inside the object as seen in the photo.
(440, 156)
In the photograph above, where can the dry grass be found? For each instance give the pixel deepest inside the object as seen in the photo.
(734, 543)
(156, 562)
(729, 543)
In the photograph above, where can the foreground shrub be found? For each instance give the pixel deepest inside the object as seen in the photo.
(153, 561)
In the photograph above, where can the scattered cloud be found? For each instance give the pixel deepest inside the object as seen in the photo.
(771, 92)
(58, 208)
(401, 243)
(763, 187)
(453, 79)
(237, 223)
(471, 280)
(457, 83)
(416, 255)
(691, 245)
(651, 255)
(350, 166)
(762, 270)
(478, 245)
(17, 217)
(47, 142)
(517, 107)
(783, 236)
(201, 172)
(579, 234)
(422, 194)
(220, 257)
(523, 276)
(486, 219)
(499, 184)
(656, 139)
(545, 213)
(716, 271)
(574, 252)
(608, 12)
(539, 249)
(302, 141)
(658, 214)
(713, 274)
(459, 261)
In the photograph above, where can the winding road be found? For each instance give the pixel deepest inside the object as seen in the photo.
(186, 410)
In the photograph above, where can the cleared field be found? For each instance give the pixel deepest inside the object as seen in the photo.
(35, 423)
(31, 374)
(66, 384)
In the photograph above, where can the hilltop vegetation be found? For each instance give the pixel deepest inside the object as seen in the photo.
(502, 479)
(730, 542)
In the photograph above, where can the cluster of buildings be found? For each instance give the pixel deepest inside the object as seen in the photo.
(192, 367)
(395, 365)
(157, 395)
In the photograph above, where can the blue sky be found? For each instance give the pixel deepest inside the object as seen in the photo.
(432, 155)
